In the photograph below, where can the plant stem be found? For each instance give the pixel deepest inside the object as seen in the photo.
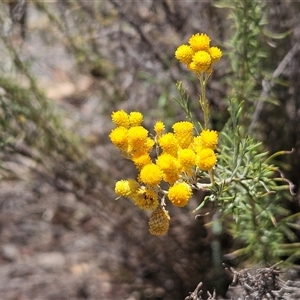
(203, 100)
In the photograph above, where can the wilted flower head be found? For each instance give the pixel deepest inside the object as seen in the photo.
(159, 222)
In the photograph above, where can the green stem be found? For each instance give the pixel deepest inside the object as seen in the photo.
(203, 100)
(211, 176)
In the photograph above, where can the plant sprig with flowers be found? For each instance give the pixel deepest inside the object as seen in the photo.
(182, 157)
(243, 185)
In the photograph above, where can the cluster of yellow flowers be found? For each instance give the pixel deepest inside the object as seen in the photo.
(198, 56)
(172, 160)
(169, 164)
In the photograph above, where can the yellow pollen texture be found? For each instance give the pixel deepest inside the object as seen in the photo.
(120, 118)
(150, 175)
(206, 159)
(215, 53)
(146, 199)
(159, 127)
(183, 133)
(186, 158)
(118, 137)
(135, 118)
(169, 143)
(126, 188)
(199, 41)
(202, 60)
(184, 54)
(209, 139)
(179, 194)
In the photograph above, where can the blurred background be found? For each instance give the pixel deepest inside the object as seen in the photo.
(64, 67)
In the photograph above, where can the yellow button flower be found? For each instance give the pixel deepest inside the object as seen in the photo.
(215, 54)
(209, 139)
(197, 144)
(199, 42)
(194, 68)
(171, 177)
(184, 133)
(180, 193)
(159, 127)
(126, 188)
(183, 127)
(168, 163)
(184, 54)
(120, 118)
(146, 199)
(186, 158)
(118, 137)
(169, 143)
(141, 160)
(135, 118)
(202, 60)
(149, 144)
(206, 159)
(137, 138)
(198, 55)
(150, 175)
(159, 222)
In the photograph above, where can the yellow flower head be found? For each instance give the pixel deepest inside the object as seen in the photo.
(170, 167)
(126, 188)
(120, 118)
(197, 144)
(183, 127)
(202, 61)
(168, 163)
(180, 193)
(198, 55)
(150, 175)
(183, 133)
(141, 160)
(186, 158)
(209, 139)
(159, 222)
(169, 144)
(135, 118)
(146, 198)
(184, 54)
(159, 127)
(215, 54)
(194, 68)
(206, 159)
(171, 177)
(199, 42)
(118, 137)
(141, 148)
(137, 138)
(149, 144)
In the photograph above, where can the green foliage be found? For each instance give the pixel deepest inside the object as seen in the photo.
(245, 186)
(185, 103)
(249, 191)
(252, 192)
(248, 188)
(246, 51)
